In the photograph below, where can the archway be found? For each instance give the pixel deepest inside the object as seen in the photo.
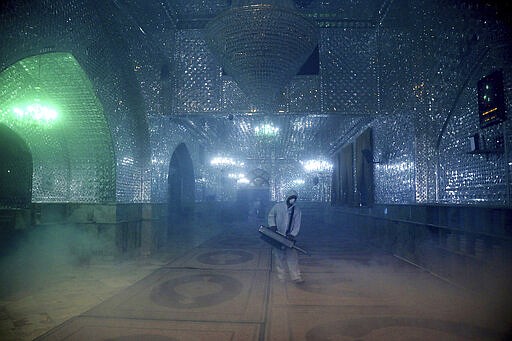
(254, 199)
(15, 170)
(181, 184)
(49, 101)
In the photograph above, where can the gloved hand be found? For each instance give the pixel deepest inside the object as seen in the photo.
(273, 228)
(290, 237)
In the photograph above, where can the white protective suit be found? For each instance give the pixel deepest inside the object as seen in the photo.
(279, 216)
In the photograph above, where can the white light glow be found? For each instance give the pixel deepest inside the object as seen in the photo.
(400, 166)
(242, 181)
(127, 160)
(157, 161)
(225, 161)
(266, 129)
(303, 124)
(316, 165)
(236, 175)
(298, 182)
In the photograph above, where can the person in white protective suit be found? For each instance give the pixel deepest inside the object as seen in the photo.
(285, 218)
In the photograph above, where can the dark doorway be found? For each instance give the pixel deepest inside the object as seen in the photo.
(364, 168)
(15, 170)
(347, 175)
(15, 186)
(181, 184)
(252, 202)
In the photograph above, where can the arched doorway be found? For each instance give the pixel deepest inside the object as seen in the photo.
(50, 103)
(15, 170)
(181, 184)
(254, 199)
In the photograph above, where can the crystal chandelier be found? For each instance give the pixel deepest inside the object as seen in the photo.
(262, 45)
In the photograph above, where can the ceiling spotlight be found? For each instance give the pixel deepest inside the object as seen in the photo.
(316, 166)
(225, 161)
(266, 130)
(299, 182)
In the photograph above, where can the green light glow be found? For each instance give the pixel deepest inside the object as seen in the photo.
(49, 101)
(35, 112)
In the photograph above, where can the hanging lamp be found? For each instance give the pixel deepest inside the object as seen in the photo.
(262, 44)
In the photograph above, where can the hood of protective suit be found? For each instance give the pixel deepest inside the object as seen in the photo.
(291, 193)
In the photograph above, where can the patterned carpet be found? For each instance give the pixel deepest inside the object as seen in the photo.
(226, 289)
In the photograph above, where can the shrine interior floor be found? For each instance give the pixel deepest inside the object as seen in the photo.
(222, 285)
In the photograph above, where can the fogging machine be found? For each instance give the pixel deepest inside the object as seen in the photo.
(280, 239)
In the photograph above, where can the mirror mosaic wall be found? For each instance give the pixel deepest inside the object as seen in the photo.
(135, 80)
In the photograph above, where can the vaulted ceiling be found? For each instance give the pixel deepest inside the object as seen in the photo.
(316, 128)
(301, 133)
(356, 82)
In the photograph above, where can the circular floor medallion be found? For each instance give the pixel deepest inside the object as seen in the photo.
(236, 243)
(142, 337)
(334, 287)
(398, 328)
(196, 291)
(225, 257)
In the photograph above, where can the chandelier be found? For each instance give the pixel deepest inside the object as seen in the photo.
(262, 45)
